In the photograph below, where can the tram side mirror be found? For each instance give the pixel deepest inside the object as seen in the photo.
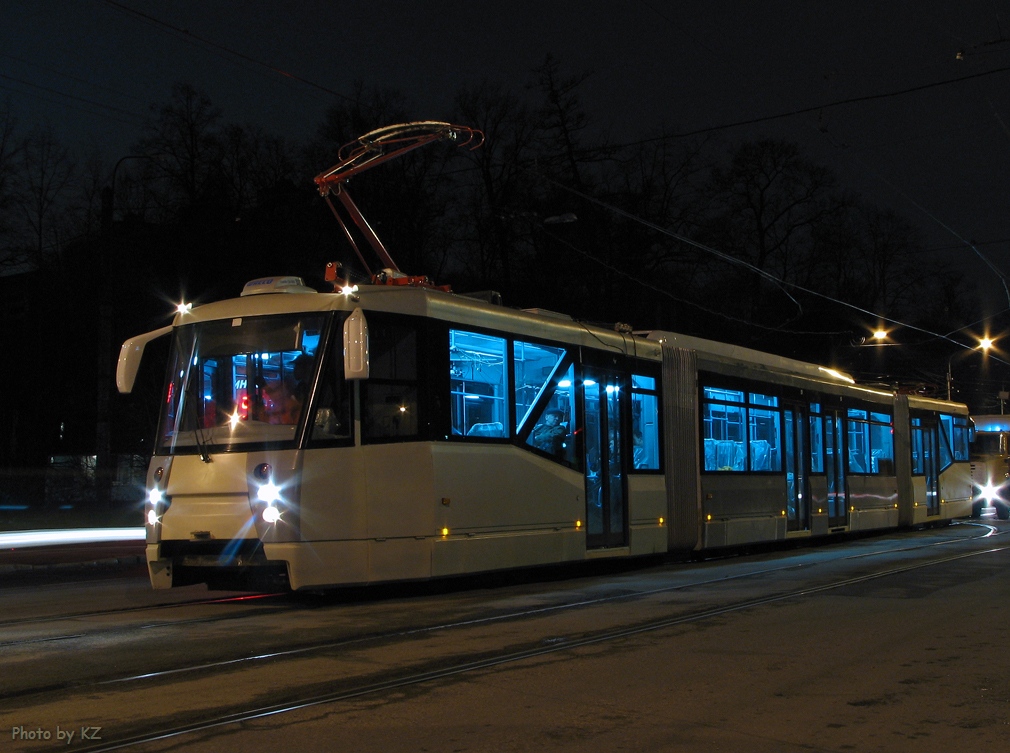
(356, 346)
(130, 356)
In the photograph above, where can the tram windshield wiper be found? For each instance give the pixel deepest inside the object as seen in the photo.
(201, 442)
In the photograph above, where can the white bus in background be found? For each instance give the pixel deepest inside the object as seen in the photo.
(990, 466)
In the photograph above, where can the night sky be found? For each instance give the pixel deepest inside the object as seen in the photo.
(939, 154)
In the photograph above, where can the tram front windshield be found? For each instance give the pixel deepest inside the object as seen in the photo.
(239, 382)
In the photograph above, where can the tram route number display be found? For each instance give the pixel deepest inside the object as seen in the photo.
(62, 734)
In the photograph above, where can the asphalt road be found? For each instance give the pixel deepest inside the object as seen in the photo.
(891, 643)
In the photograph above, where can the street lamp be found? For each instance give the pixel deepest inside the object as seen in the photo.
(103, 428)
(109, 192)
(984, 344)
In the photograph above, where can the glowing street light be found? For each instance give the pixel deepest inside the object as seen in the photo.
(984, 344)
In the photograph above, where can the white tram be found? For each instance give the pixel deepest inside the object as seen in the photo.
(397, 432)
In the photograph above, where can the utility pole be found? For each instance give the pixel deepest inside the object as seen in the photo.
(103, 433)
(105, 466)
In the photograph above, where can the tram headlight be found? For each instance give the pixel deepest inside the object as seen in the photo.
(159, 503)
(269, 493)
(267, 497)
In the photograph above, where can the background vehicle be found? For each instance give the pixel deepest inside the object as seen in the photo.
(990, 466)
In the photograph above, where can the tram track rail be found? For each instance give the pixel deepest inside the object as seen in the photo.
(524, 614)
(349, 642)
(85, 614)
(693, 617)
(457, 665)
(129, 610)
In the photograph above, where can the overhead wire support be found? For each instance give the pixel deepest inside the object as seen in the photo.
(383, 144)
(781, 283)
(372, 150)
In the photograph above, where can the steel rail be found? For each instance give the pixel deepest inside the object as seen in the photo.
(356, 640)
(130, 610)
(544, 647)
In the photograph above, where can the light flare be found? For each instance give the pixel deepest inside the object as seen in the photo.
(269, 493)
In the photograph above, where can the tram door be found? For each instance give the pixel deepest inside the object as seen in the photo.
(925, 461)
(606, 509)
(834, 468)
(797, 460)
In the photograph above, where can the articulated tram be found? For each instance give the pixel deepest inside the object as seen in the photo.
(395, 432)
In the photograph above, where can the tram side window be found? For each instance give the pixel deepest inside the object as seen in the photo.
(946, 456)
(545, 400)
(765, 433)
(882, 444)
(741, 431)
(724, 430)
(645, 422)
(331, 420)
(956, 429)
(479, 384)
(389, 396)
(816, 439)
(538, 371)
(871, 443)
(920, 447)
(552, 422)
